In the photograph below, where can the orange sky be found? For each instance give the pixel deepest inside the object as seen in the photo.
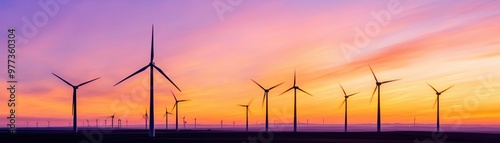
(443, 43)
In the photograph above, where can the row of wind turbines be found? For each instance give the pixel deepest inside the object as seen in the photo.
(346, 96)
(151, 65)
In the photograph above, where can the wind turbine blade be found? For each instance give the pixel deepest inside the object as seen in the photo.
(242, 105)
(432, 87)
(174, 107)
(174, 96)
(352, 94)
(250, 102)
(343, 89)
(152, 42)
(161, 71)
(263, 99)
(286, 90)
(140, 70)
(89, 81)
(447, 89)
(294, 77)
(373, 73)
(258, 84)
(305, 91)
(435, 102)
(276, 85)
(371, 99)
(62, 79)
(343, 102)
(390, 81)
(183, 100)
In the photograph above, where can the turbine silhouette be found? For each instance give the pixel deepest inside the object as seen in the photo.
(145, 116)
(151, 66)
(377, 88)
(184, 121)
(345, 108)
(176, 106)
(112, 120)
(75, 129)
(295, 88)
(195, 123)
(266, 95)
(246, 109)
(437, 101)
(166, 118)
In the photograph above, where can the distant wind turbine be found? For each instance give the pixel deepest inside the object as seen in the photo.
(119, 123)
(112, 120)
(345, 108)
(166, 118)
(246, 109)
(75, 129)
(437, 101)
(184, 121)
(145, 117)
(295, 88)
(414, 121)
(377, 88)
(151, 65)
(266, 96)
(195, 123)
(105, 122)
(176, 106)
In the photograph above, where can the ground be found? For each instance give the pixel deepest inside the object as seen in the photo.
(141, 136)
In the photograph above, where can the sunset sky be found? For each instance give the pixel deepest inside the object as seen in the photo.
(212, 58)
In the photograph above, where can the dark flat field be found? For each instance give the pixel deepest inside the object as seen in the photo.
(141, 136)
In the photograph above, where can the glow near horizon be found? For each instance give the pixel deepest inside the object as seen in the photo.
(212, 61)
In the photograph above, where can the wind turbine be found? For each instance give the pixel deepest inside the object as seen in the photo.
(145, 116)
(177, 110)
(195, 123)
(112, 120)
(97, 123)
(184, 121)
(345, 108)
(295, 87)
(105, 122)
(377, 88)
(119, 123)
(415, 121)
(166, 118)
(88, 123)
(266, 95)
(246, 109)
(437, 101)
(74, 98)
(151, 65)
(48, 123)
